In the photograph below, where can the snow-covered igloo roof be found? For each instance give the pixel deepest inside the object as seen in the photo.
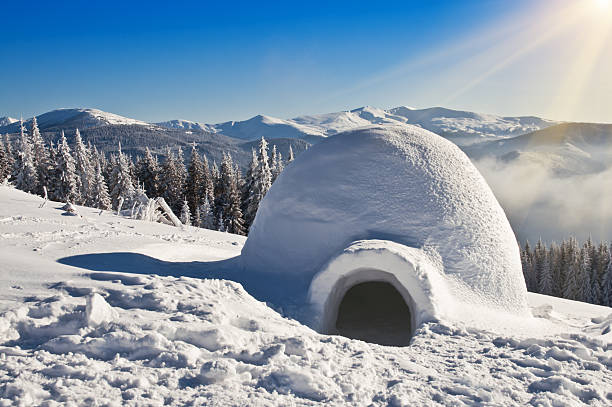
(402, 200)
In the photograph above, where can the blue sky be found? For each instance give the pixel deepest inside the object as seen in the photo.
(219, 61)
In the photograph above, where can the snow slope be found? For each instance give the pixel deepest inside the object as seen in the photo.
(102, 310)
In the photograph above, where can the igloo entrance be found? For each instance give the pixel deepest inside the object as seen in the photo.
(374, 312)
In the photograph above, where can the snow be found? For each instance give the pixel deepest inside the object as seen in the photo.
(177, 338)
(186, 125)
(6, 120)
(463, 128)
(74, 118)
(402, 201)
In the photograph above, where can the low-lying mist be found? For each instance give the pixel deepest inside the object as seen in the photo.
(541, 204)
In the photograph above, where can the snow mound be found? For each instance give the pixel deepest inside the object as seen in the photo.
(400, 205)
(98, 311)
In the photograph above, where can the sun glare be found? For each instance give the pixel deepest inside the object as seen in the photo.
(603, 4)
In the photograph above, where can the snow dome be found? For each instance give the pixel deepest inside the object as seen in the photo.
(374, 231)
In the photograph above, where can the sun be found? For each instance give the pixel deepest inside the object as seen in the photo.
(603, 4)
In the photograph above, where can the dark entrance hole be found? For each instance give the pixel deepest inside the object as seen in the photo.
(374, 312)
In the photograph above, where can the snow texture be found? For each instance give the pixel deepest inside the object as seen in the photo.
(393, 187)
(181, 339)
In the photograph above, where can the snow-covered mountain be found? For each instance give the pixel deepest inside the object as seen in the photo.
(5, 121)
(184, 125)
(70, 119)
(565, 149)
(462, 127)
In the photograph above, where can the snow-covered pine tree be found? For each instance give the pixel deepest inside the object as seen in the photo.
(122, 188)
(65, 187)
(207, 215)
(197, 218)
(539, 257)
(195, 185)
(148, 173)
(42, 160)
(240, 182)
(585, 287)
(209, 186)
(221, 223)
(571, 285)
(24, 170)
(4, 168)
(185, 214)
(214, 173)
(262, 179)
(274, 163)
(599, 269)
(555, 260)
(527, 264)
(606, 285)
(172, 183)
(228, 203)
(10, 157)
(84, 170)
(100, 198)
(248, 209)
(291, 155)
(545, 282)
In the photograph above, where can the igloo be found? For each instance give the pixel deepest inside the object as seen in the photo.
(372, 232)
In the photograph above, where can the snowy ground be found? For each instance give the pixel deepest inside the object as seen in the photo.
(100, 310)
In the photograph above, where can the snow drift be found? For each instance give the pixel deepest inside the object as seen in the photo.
(398, 205)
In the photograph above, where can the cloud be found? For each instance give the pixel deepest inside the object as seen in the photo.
(540, 204)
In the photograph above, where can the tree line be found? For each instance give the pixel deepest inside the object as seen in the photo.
(201, 194)
(569, 270)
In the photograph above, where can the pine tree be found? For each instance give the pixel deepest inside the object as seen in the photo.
(545, 282)
(42, 160)
(207, 215)
(121, 186)
(209, 187)
(4, 168)
(291, 156)
(195, 185)
(65, 187)
(84, 170)
(185, 214)
(221, 223)
(148, 173)
(274, 170)
(228, 201)
(24, 171)
(276, 163)
(172, 182)
(585, 293)
(248, 209)
(539, 258)
(555, 262)
(571, 284)
(527, 264)
(10, 157)
(606, 286)
(100, 198)
(262, 180)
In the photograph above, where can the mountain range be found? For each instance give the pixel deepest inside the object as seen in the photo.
(564, 148)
